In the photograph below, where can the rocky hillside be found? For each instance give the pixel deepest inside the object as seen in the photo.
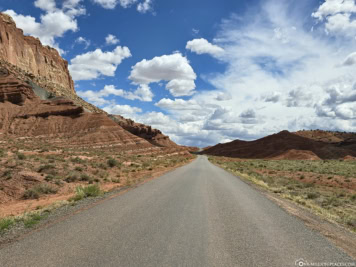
(327, 136)
(146, 132)
(37, 99)
(342, 139)
(283, 145)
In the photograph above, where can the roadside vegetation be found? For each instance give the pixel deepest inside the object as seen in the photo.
(325, 187)
(35, 173)
(87, 191)
(28, 219)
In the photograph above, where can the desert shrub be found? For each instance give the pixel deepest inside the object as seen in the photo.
(84, 177)
(77, 160)
(351, 221)
(312, 195)
(2, 152)
(21, 156)
(353, 197)
(38, 190)
(112, 163)
(49, 177)
(84, 192)
(58, 182)
(332, 201)
(102, 166)
(5, 224)
(32, 219)
(46, 167)
(7, 173)
(72, 177)
(79, 169)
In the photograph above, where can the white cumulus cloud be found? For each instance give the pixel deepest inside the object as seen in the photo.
(111, 40)
(175, 69)
(145, 6)
(111, 4)
(338, 16)
(202, 46)
(94, 64)
(123, 110)
(100, 98)
(54, 23)
(142, 7)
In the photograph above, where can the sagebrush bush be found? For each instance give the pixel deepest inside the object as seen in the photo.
(38, 190)
(46, 167)
(84, 177)
(21, 156)
(5, 224)
(112, 163)
(72, 177)
(88, 191)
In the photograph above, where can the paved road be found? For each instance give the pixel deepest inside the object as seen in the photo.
(197, 215)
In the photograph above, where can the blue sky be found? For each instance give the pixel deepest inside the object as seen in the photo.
(207, 71)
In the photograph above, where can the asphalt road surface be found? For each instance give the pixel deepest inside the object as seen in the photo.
(197, 215)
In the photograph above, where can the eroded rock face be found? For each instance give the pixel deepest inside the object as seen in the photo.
(24, 115)
(29, 55)
(11, 90)
(153, 136)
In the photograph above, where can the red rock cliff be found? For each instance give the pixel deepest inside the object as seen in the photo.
(28, 54)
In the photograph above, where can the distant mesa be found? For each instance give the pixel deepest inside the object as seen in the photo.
(303, 145)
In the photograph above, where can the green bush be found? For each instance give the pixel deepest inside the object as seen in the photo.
(21, 156)
(312, 195)
(353, 197)
(112, 163)
(79, 169)
(84, 192)
(84, 177)
(5, 224)
(38, 190)
(77, 160)
(72, 177)
(49, 177)
(32, 220)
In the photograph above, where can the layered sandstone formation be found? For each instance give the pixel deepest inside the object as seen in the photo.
(28, 54)
(153, 136)
(24, 115)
